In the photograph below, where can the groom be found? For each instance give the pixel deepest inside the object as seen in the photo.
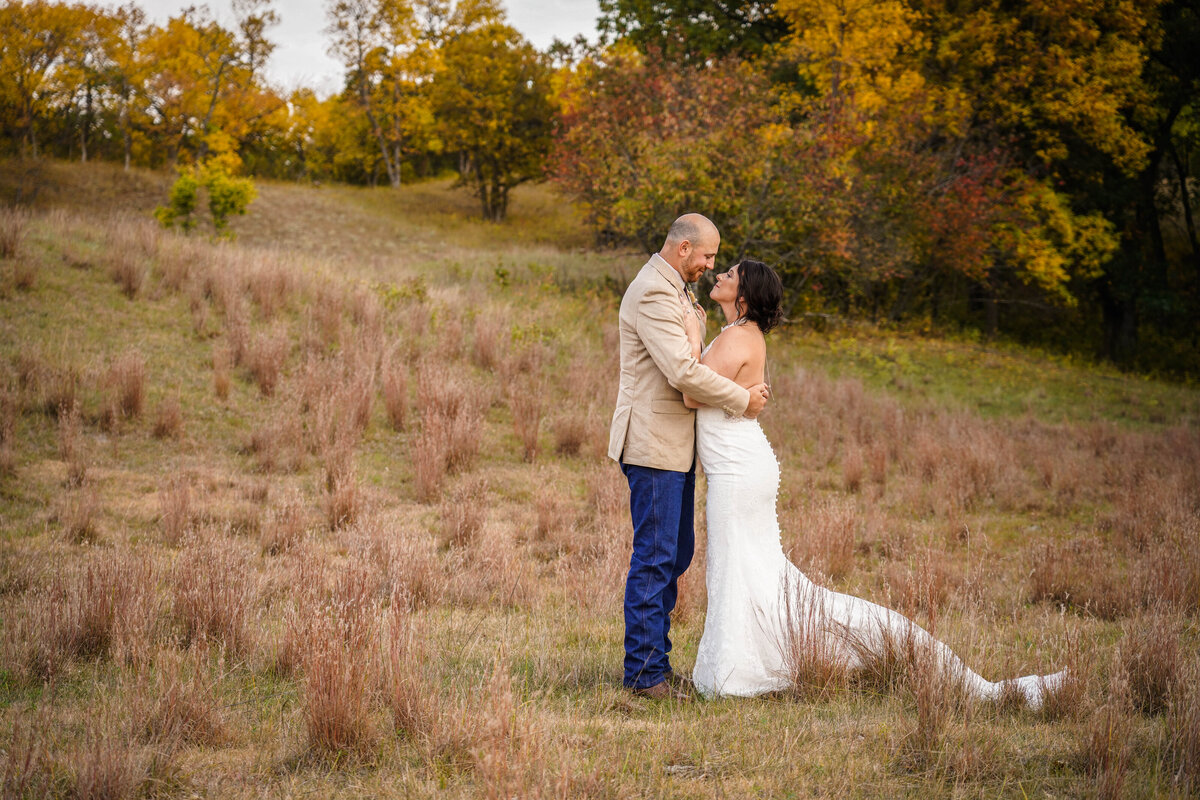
(653, 437)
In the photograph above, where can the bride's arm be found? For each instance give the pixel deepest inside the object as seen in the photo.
(728, 354)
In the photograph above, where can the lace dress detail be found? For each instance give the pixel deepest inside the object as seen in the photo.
(757, 598)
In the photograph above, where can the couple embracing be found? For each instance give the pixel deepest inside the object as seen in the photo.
(680, 401)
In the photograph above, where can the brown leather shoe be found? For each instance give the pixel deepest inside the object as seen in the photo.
(662, 691)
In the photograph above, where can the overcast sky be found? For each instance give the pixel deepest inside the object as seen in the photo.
(300, 58)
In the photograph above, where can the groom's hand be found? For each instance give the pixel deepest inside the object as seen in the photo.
(759, 394)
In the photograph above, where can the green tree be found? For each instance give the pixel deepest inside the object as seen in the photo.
(388, 65)
(492, 103)
(694, 29)
(34, 36)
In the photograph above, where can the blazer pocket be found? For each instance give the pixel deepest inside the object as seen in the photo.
(669, 407)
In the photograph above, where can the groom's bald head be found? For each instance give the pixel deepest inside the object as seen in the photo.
(691, 246)
(690, 228)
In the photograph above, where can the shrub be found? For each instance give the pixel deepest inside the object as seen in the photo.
(181, 202)
(227, 196)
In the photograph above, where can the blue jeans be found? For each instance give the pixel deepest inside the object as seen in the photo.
(661, 505)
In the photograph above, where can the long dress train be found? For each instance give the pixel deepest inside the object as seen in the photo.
(757, 599)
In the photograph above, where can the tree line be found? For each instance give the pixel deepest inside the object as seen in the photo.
(1022, 168)
(428, 87)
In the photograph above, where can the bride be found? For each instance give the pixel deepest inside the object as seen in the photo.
(760, 606)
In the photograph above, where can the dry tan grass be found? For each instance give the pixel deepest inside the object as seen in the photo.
(215, 592)
(489, 341)
(9, 407)
(1150, 658)
(526, 401)
(183, 706)
(77, 513)
(267, 354)
(1183, 725)
(825, 534)
(213, 647)
(1108, 748)
(168, 420)
(14, 222)
(126, 386)
(923, 587)
(71, 447)
(344, 499)
(463, 513)
(128, 270)
(108, 763)
(108, 606)
(221, 364)
(25, 274)
(272, 285)
(395, 394)
(176, 514)
(279, 443)
(339, 658)
(815, 657)
(284, 526)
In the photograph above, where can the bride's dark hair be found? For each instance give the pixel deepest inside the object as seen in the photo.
(760, 294)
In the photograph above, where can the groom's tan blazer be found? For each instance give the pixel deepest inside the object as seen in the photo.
(651, 427)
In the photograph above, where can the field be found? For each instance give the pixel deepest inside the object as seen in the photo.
(324, 511)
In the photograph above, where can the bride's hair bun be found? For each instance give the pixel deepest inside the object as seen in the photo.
(760, 293)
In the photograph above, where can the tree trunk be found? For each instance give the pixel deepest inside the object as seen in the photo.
(992, 317)
(1120, 326)
(1185, 196)
(87, 123)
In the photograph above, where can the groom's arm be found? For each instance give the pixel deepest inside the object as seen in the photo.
(660, 327)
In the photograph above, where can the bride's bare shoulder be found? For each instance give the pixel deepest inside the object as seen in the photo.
(743, 336)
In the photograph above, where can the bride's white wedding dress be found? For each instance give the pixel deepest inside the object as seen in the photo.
(756, 597)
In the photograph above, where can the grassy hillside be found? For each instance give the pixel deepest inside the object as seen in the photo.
(325, 512)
